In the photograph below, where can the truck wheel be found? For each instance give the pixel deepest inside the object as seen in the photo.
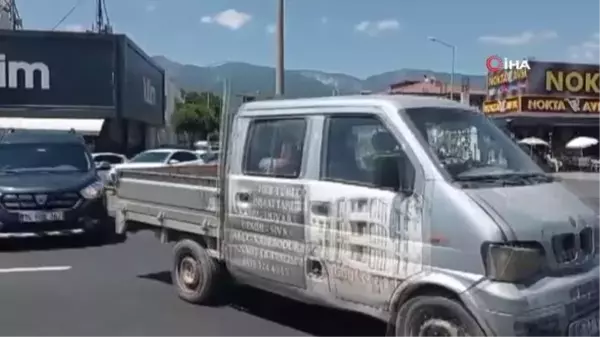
(435, 316)
(195, 274)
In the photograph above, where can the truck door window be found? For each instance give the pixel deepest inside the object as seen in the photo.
(274, 147)
(361, 151)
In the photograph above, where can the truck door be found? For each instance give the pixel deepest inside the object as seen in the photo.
(265, 226)
(370, 193)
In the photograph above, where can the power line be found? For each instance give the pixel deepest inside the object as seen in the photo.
(66, 16)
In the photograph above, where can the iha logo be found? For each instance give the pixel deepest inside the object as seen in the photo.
(495, 63)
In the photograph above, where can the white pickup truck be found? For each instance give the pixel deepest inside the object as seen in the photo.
(414, 210)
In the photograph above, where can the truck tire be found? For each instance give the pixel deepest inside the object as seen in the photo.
(195, 274)
(435, 316)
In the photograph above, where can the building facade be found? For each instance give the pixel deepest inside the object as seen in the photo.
(432, 87)
(102, 85)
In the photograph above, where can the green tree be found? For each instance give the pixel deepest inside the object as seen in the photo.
(197, 116)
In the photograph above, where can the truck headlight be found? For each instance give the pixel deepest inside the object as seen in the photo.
(512, 262)
(92, 191)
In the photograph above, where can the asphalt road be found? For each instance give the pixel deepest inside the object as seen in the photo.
(124, 289)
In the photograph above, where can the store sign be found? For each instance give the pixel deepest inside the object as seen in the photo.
(561, 105)
(48, 70)
(577, 83)
(563, 79)
(501, 106)
(502, 77)
(10, 70)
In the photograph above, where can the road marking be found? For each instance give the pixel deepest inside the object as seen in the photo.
(33, 269)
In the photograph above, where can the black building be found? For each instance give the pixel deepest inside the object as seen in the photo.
(103, 86)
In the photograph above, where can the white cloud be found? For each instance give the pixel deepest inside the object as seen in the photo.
(519, 39)
(230, 18)
(74, 28)
(270, 29)
(150, 7)
(587, 51)
(376, 27)
(548, 35)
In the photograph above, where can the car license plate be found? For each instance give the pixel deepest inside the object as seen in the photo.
(587, 326)
(40, 216)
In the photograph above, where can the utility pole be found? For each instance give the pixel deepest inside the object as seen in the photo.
(99, 17)
(102, 25)
(9, 15)
(280, 46)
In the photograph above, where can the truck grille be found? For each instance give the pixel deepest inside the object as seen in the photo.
(39, 201)
(574, 247)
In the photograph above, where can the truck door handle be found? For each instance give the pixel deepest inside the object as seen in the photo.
(243, 197)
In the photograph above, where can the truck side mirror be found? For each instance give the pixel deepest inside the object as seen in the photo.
(406, 175)
(394, 172)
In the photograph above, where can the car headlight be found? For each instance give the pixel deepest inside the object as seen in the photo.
(513, 263)
(92, 191)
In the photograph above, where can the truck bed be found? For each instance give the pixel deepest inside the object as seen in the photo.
(182, 198)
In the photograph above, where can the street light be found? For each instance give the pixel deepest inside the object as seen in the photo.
(453, 48)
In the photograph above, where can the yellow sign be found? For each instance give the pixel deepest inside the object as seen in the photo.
(576, 83)
(507, 76)
(564, 105)
(502, 106)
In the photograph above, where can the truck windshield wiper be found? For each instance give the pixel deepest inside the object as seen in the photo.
(511, 179)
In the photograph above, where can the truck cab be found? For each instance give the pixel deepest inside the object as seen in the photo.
(49, 186)
(414, 210)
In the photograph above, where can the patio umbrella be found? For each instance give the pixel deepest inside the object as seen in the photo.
(533, 141)
(581, 143)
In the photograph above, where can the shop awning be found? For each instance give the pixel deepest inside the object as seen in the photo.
(88, 127)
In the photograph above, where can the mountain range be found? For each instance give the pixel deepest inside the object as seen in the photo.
(246, 78)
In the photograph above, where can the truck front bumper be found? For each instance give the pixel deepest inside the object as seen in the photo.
(551, 307)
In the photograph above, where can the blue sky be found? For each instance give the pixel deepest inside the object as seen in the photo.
(356, 37)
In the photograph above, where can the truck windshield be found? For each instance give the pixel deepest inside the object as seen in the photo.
(468, 145)
(44, 157)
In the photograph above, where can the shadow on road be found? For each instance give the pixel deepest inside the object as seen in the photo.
(15, 245)
(313, 320)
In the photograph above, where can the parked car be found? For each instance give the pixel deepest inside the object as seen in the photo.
(155, 158)
(109, 157)
(104, 161)
(209, 157)
(49, 187)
